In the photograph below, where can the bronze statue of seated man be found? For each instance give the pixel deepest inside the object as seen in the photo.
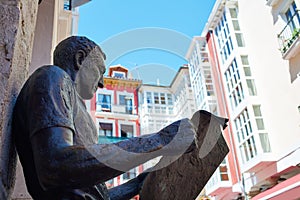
(56, 139)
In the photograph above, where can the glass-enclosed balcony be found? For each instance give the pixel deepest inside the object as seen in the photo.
(288, 37)
(115, 108)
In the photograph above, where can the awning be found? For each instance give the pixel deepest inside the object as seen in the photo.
(288, 189)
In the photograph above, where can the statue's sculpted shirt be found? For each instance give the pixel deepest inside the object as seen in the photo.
(49, 99)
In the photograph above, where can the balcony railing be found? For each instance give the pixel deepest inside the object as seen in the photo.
(115, 108)
(290, 33)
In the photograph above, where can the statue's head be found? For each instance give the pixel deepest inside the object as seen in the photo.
(84, 60)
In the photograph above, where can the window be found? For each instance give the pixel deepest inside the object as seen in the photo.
(245, 136)
(223, 172)
(150, 109)
(127, 102)
(233, 12)
(248, 149)
(263, 136)
(104, 103)
(251, 87)
(292, 17)
(245, 60)
(236, 25)
(265, 143)
(105, 129)
(163, 110)
(240, 39)
(156, 98)
(234, 84)
(157, 109)
(149, 97)
(224, 38)
(118, 74)
(247, 71)
(127, 130)
(208, 81)
(258, 117)
(170, 99)
(162, 98)
(67, 5)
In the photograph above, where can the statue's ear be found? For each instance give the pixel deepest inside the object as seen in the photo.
(79, 58)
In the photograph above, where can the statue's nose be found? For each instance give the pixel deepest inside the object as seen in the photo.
(100, 83)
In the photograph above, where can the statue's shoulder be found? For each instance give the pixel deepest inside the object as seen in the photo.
(50, 74)
(49, 71)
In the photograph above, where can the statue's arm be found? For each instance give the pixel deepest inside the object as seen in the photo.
(129, 189)
(60, 163)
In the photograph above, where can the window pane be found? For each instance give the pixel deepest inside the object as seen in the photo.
(265, 144)
(236, 25)
(170, 100)
(156, 99)
(67, 5)
(104, 101)
(245, 60)
(251, 87)
(233, 12)
(157, 109)
(162, 98)
(149, 97)
(240, 39)
(105, 129)
(247, 71)
(122, 99)
(256, 109)
(127, 130)
(260, 124)
(250, 148)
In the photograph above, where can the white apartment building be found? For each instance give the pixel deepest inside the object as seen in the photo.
(205, 90)
(162, 105)
(256, 81)
(201, 75)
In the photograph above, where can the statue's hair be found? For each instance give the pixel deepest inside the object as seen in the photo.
(65, 51)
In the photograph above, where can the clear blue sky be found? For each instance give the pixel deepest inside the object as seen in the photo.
(150, 38)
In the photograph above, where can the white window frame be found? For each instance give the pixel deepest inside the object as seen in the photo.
(127, 123)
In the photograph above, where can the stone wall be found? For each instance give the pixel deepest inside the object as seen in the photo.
(17, 25)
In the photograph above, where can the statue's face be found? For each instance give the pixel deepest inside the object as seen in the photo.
(90, 74)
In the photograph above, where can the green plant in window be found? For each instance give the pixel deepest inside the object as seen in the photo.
(295, 33)
(288, 42)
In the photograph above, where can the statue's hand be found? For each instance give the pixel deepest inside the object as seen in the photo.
(178, 137)
(129, 189)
